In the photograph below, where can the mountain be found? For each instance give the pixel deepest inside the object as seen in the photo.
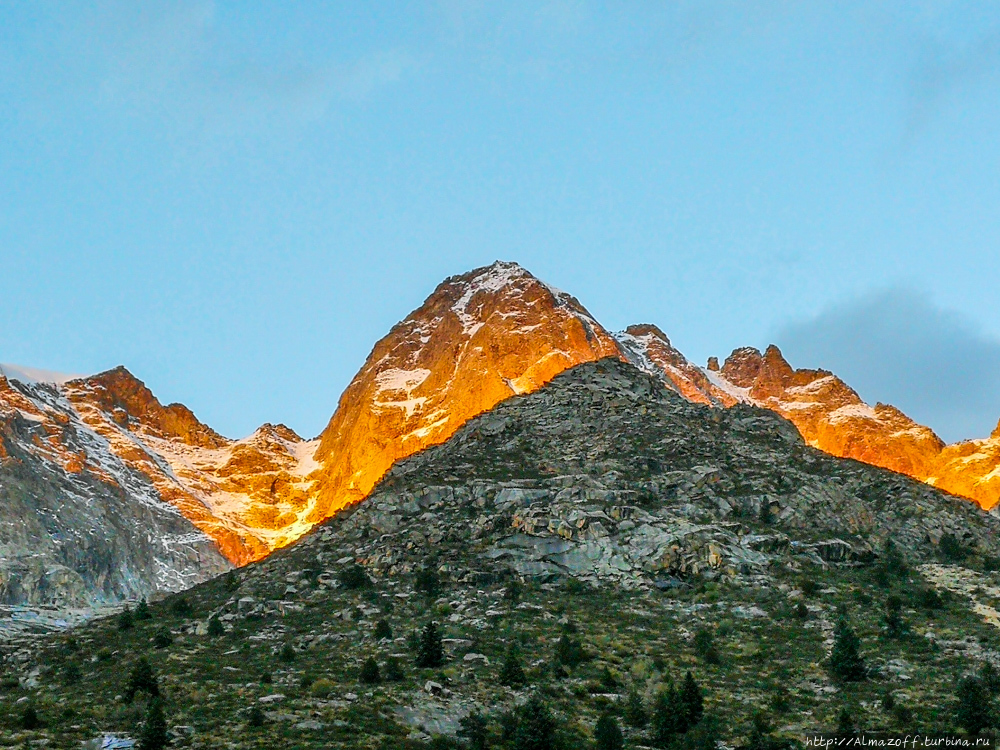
(588, 544)
(82, 526)
(479, 339)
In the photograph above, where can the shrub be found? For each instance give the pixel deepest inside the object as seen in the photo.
(104, 655)
(430, 652)
(809, 587)
(353, 577)
(370, 674)
(215, 627)
(322, 687)
(181, 607)
(607, 734)
(845, 721)
(382, 630)
(846, 662)
(951, 550)
(71, 673)
(287, 653)
(893, 619)
(512, 594)
(704, 646)
(802, 611)
(929, 599)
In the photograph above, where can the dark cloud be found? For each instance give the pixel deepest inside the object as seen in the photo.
(897, 347)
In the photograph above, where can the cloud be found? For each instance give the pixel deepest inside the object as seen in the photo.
(896, 346)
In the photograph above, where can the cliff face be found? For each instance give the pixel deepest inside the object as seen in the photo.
(81, 526)
(478, 339)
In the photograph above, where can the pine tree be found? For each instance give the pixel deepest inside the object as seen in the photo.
(691, 701)
(142, 680)
(370, 674)
(893, 620)
(215, 627)
(667, 716)
(512, 674)
(393, 670)
(845, 721)
(125, 620)
(154, 729)
(472, 729)
(974, 711)
(607, 734)
(142, 611)
(846, 662)
(382, 630)
(536, 729)
(430, 652)
(635, 711)
(29, 718)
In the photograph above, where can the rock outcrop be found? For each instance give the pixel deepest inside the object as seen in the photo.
(479, 339)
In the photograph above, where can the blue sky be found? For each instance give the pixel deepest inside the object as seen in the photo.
(235, 200)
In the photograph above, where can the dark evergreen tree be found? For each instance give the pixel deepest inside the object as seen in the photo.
(845, 721)
(893, 619)
(428, 581)
(142, 612)
(287, 653)
(255, 717)
(181, 607)
(990, 677)
(607, 734)
(635, 711)
(393, 670)
(691, 701)
(667, 718)
(353, 577)
(569, 651)
(846, 662)
(974, 710)
(512, 673)
(473, 730)
(705, 735)
(704, 646)
(382, 630)
(215, 627)
(141, 679)
(370, 674)
(512, 594)
(536, 729)
(153, 735)
(430, 652)
(30, 719)
(162, 638)
(125, 620)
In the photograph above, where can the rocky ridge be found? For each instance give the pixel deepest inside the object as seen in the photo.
(636, 525)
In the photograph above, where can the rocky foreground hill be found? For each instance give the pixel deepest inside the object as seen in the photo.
(580, 549)
(480, 338)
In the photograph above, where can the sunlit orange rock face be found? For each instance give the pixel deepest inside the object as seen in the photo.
(249, 496)
(478, 339)
(971, 469)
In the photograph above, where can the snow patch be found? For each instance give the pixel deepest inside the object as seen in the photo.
(34, 375)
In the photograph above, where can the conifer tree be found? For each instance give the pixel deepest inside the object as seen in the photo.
(974, 711)
(125, 620)
(142, 610)
(382, 630)
(691, 701)
(607, 734)
(635, 711)
(154, 729)
(215, 627)
(393, 670)
(430, 652)
(141, 679)
(512, 674)
(30, 719)
(370, 674)
(667, 716)
(846, 662)
(472, 729)
(536, 729)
